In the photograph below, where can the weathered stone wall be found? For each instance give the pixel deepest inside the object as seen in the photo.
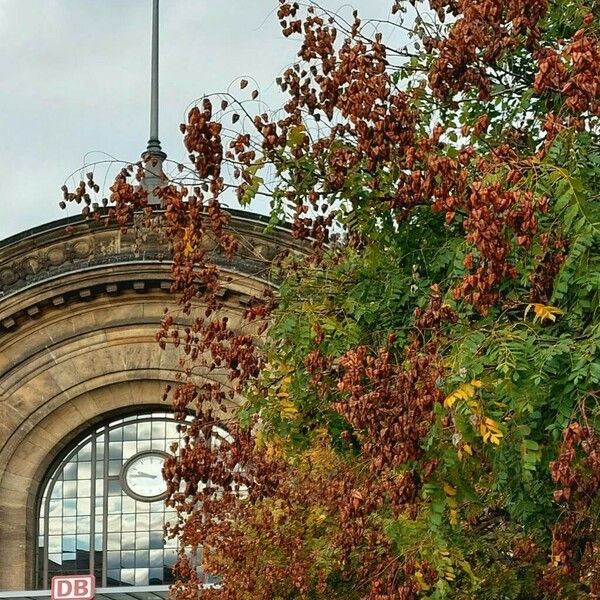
(78, 314)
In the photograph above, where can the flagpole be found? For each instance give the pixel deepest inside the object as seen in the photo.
(154, 149)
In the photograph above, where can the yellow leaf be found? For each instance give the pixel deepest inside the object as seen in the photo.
(472, 404)
(492, 424)
(544, 312)
(189, 240)
(490, 431)
(468, 449)
(316, 516)
(421, 581)
(296, 136)
(287, 409)
(273, 449)
(450, 491)
(453, 517)
(465, 391)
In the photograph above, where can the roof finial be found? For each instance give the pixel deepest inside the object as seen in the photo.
(154, 156)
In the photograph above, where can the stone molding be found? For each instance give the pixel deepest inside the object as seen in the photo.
(78, 312)
(76, 246)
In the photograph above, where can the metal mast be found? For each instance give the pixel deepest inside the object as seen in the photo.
(154, 156)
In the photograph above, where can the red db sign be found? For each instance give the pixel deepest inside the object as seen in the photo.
(73, 587)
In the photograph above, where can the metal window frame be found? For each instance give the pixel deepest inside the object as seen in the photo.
(145, 592)
(99, 433)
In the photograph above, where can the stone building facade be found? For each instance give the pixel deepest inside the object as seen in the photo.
(79, 307)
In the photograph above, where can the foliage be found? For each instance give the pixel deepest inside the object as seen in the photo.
(421, 415)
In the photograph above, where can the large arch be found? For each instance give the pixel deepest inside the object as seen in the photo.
(78, 312)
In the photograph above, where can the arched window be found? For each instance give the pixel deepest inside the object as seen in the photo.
(102, 509)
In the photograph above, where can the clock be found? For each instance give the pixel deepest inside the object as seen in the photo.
(141, 476)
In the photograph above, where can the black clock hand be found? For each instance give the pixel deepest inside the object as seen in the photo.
(142, 474)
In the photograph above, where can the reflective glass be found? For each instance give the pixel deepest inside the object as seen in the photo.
(84, 501)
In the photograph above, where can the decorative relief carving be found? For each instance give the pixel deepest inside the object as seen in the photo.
(56, 255)
(82, 248)
(7, 276)
(26, 261)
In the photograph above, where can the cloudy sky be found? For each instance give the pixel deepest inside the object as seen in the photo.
(74, 82)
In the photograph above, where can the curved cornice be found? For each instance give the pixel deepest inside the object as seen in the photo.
(36, 266)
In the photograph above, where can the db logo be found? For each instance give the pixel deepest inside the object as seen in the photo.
(73, 587)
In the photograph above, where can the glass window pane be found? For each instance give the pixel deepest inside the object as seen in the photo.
(144, 431)
(114, 487)
(83, 542)
(114, 505)
(69, 507)
(128, 522)
(85, 453)
(54, 526)
(129, 449)
(55, 509)
(128, 576)
(157, 521)
(70, 471)
(128, 541)
(141, 576)
(131, 530)
(83, 524)
(69, 543)
(142, 522)
(54, 543)
(142, 539)
(156, 577)
(130, 433)
(115, 450)
(114, 523)
(171, 543)
(84, 488)
(84, 470)
(156, 558)
(115, 435)
(113, 541)
(171, 431)
(114, 577)
(127, 559)
(170, 557)
(70, 489)
(57, 491)
(113, 559)
(83, 505)
(144, 445)
(128, 504)
(114, 467)
(69, 524)
(158, 430)
(55, 558)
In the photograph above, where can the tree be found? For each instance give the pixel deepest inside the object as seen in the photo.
(421, 414)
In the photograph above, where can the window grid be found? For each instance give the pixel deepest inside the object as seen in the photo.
(89, 524)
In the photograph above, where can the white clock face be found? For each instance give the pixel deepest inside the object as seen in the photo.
(142, 476)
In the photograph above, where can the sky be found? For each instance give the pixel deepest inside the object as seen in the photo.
(74, 83)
